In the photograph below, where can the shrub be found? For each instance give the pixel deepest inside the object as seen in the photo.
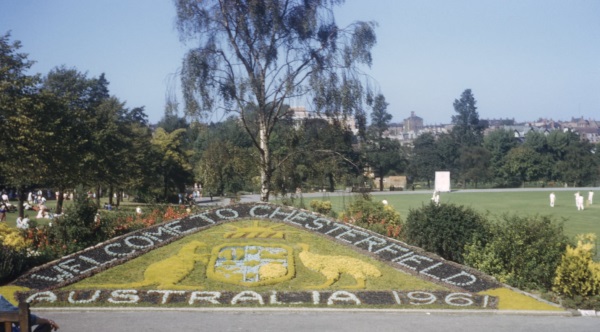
(16, 254)
(12, 262)
(323, 207)
(445, 229)
(577, 274)
(522, 251)
(76, 229)
(374, 216)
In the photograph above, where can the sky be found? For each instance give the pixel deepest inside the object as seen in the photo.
(522, 59)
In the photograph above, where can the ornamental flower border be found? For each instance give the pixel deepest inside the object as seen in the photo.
(190, 298)
(397, 254)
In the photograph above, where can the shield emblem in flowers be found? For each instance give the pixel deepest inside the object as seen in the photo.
(251, 264)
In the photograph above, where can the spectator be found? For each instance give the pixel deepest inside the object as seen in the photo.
(23, 223)
(3, 209)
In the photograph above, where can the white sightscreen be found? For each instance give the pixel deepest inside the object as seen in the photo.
(442, 181)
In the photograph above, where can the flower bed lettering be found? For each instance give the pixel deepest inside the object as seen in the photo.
(121, 249)
(400, 299)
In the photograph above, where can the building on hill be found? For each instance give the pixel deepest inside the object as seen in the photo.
(412, 127)
(413, 123)
(499, 123)
(590, 134)
(299, 114)
(587, 129)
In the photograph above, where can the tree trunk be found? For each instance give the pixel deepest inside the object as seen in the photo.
(59, 201)
(110, 195)
(381, 183)
(265, 167)
(98, 196)
(331, 182)
(165, 187)
(21, 197)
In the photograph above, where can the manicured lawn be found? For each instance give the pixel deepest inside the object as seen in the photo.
(497, 203)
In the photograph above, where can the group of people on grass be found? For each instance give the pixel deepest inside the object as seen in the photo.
(579, 200)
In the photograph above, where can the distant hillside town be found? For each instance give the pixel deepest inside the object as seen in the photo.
(413, 126)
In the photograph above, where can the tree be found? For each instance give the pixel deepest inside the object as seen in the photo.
(22, 117)
(222, 157)
(468, 129)
(380, 118)
(141, 163)
(67, 107)
(259, 54)
(536, 141)
(382, 153)
(498, 143)
(573, 160)
(579, 167)
(425, 158)
(224, 168)
(524, 164)
(173, 162)
(109, 148)
(448, 150)
(474, 164)
(558, 143)
(314, 154)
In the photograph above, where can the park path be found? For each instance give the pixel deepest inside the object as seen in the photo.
(127, 319)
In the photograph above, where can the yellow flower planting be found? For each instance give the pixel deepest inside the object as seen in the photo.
(332, 267)
(166, 274)
(511, 300)
(577, 273)
(272, 271)
(12, 237)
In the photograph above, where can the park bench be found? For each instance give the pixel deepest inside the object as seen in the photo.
(20, 317)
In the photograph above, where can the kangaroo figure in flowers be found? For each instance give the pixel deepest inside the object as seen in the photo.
(332, 267)
(166, 274)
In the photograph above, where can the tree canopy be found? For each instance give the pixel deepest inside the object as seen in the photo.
(468, 129)
(261, 54)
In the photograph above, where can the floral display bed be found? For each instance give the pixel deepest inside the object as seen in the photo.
(265, 258)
